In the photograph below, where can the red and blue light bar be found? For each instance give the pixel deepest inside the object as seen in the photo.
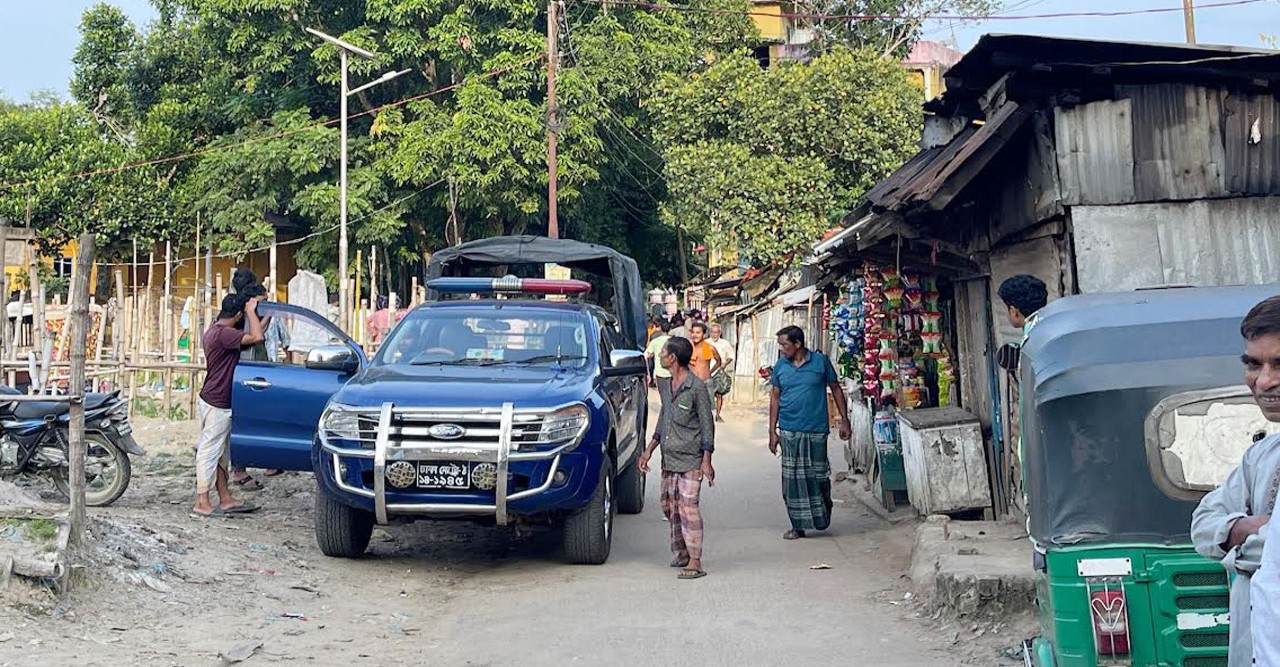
(508, 285)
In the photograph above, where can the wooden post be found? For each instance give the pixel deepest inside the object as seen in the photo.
(272, 285)
(4, 288)
(39, 329)
(79, 303)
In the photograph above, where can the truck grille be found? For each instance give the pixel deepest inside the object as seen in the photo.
(478, 429)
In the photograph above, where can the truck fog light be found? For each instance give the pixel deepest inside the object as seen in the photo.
(559, 478)
(342, 470)
(484, 476)
(401, 474)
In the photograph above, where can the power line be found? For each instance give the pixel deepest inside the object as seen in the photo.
(227, 147)
(290, 242)
(924, 17)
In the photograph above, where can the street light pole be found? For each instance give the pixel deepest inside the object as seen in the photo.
(345, 50)
(344, 298)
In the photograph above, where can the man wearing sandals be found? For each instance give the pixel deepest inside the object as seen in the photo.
(222, 345)
(686, 433)
(798, 421)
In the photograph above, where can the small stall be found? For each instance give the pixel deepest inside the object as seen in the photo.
(891, 332)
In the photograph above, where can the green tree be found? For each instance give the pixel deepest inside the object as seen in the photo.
(896, 26)
(767, 159)
(47, 150)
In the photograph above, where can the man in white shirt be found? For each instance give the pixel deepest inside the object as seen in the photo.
(1232, 521)
(1265, 595)
(722, 380)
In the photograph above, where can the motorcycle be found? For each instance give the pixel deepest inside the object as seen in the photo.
(33, 439)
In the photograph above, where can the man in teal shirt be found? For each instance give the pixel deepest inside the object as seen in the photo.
(798, 424)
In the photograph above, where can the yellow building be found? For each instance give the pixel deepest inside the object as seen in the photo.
(928, 63)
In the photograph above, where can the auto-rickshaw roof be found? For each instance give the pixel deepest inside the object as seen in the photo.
(1168, 337)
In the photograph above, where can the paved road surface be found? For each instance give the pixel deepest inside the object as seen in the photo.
(458, 595)
(760, 604)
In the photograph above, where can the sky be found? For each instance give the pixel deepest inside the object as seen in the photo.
(38, 38)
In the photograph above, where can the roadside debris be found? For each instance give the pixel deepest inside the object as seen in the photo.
(240, 652)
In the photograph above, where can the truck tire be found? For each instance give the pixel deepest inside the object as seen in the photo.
(588, 532)
(341, 531)
(631, 489)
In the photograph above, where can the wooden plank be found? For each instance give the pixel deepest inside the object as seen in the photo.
(1094, 150)
(971, 367)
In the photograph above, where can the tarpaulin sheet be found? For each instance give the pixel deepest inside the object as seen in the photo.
(628, 294)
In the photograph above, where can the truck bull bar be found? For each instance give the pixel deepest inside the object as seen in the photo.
(385, 450)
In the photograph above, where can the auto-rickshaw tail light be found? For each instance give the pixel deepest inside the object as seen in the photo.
(1109, 611)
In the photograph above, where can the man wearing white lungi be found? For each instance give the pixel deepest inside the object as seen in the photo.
(222, 345)
(1230, 523)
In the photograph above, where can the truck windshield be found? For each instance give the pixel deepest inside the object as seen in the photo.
(488, 336)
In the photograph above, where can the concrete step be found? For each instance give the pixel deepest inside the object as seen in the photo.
(973, 567)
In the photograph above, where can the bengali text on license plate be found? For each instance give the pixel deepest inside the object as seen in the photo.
(444, 476)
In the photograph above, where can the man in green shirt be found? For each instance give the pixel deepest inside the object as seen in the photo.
(686, 433)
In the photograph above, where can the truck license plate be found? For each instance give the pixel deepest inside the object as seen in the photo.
(451, 476)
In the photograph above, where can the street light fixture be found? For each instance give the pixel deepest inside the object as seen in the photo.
(344, 50)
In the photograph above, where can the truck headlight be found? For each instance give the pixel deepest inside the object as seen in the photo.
(564, 424)
(340, 422)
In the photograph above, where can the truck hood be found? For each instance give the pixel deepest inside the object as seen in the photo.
(466, 387)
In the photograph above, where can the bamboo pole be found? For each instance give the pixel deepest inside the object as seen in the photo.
(79, 316)
(4, 289)
(166, 330)
(273, 285)
(39, 330)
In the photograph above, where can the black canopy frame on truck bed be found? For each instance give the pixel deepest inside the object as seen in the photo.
(628, 294)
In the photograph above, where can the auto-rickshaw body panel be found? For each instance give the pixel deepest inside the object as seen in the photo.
(1165, 583)
(1094, 368)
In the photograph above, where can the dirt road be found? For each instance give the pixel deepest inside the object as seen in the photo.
(172, 590)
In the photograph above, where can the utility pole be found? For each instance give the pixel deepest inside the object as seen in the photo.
(344, 300)
(1189, 16)
(346, 49)
(553, 123)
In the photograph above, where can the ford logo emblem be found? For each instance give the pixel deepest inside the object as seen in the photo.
(447, 431)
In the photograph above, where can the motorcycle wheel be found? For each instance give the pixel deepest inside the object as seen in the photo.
(106, 472)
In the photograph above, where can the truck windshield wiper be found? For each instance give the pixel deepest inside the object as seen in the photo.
(454, 362)
(543, 358)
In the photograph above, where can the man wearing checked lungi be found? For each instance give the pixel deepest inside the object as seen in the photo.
(798, 424)
(686, 434)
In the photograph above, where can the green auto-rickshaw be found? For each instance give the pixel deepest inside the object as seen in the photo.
(1133, 407)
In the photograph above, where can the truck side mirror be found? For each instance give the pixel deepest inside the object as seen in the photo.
(626, 362)
(333, 358)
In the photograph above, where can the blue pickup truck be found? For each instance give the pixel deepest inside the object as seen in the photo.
(491, 403)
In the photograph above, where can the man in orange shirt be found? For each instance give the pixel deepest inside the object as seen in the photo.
(706, 359)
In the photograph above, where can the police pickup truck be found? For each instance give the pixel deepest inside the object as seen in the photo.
(491, 403)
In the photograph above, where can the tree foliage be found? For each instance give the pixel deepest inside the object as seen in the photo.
(228, 109)
(893, 26)
(764, 159)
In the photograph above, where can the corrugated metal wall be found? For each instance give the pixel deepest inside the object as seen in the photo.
(1168, 142)
(1208, 242)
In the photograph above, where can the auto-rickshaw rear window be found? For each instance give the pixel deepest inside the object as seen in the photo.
(1196, 438)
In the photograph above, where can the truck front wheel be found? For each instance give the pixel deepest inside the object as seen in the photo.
(588, 532)
(341, 531)
(631, 490)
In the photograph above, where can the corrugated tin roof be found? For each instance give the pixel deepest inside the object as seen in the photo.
(996, 55)
(923, 178)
